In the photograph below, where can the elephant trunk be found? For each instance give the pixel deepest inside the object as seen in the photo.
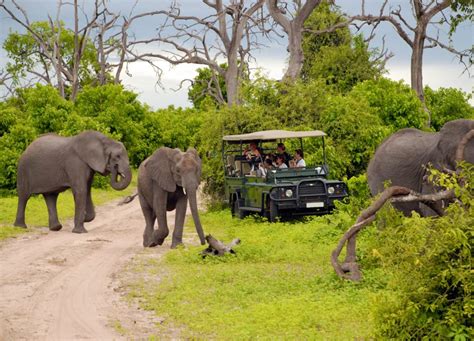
(194, 211)
(121, 184)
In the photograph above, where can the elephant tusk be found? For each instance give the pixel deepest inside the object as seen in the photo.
(184, 190)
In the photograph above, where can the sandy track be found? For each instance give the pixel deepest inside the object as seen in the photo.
(60, 285)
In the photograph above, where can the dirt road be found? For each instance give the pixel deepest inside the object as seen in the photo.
(62, 286)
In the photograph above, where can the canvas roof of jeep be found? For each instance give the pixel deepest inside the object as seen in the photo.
(273, 135)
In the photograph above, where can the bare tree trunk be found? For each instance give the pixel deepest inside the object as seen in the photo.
(294, 30)
(76, 57)
(417, 66)
(296, 59)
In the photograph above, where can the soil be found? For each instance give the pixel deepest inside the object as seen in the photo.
(63, 286)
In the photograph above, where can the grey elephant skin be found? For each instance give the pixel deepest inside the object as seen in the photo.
(51, 164)
(403, 157)
(167, 180)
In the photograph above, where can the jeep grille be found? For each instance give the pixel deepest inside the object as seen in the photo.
(307, 188)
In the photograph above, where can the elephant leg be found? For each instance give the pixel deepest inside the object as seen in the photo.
(80, 198)
(150, 217)
(20, 212)
(90, 211)
(51, 200)
(179, 222)
(160, 198)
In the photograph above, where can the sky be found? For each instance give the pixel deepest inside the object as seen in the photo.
(441, 69)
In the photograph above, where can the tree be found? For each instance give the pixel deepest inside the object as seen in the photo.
(229, 32)
(68, 58)
(293, 24)
(29, 62)
(416, 35)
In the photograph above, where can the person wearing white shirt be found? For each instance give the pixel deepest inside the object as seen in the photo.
(299, 158)
(280, 162)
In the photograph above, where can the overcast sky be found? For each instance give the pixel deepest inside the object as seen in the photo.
(441, 69)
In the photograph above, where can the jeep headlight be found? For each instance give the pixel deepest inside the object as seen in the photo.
(289, 193)
(331, 190)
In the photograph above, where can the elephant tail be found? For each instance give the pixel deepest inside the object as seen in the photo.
(128, 199)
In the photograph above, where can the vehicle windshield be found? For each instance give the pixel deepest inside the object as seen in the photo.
(275, 158)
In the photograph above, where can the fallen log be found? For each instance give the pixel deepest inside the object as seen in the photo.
(218, 248)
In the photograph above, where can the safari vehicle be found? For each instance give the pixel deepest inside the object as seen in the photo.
(280, 192)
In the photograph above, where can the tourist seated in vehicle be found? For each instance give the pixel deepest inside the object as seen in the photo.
(280, 162)
(298, 161)
(265, 167)
(254, 155)
(281, 150)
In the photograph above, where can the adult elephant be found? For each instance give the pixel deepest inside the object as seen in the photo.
(403, 158)
(167, 180)
(51, 164)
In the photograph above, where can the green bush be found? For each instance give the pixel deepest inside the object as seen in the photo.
(12, 145)
(394, 102)
(356, 130)
(430, 265)
(447, 104)
(115, 112)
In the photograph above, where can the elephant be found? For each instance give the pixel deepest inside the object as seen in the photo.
(403, 159)
(51, 164)
(167, 180)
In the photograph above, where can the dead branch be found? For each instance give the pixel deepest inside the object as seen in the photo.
(350, 269)
(218, 248)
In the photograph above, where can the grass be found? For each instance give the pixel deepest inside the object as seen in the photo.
(119, 328)
(280, 285)
(37, 212)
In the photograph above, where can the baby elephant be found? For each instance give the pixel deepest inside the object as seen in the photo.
(51, 164)
(166, 181)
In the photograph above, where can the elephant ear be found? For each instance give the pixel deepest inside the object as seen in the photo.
(194, 152)
(160, 167)
(90, 147)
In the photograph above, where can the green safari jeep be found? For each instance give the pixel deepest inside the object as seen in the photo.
(275, 192)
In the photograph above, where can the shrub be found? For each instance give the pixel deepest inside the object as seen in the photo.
(430, 263)
(12, 145)
(394, 102)
(447, 104)
(115, 112)
(356, 131)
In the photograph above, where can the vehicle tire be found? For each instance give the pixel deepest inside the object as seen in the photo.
(272, 210)
(236, 211)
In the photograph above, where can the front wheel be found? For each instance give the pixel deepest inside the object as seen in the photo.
(272, 211)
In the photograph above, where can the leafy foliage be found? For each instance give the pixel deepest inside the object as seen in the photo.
(447, 104)
(203, 92)
(338, 58)
(394, 102)
(430, 266)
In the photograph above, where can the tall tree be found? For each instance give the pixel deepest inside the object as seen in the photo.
(414, 31)
(228, 33)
